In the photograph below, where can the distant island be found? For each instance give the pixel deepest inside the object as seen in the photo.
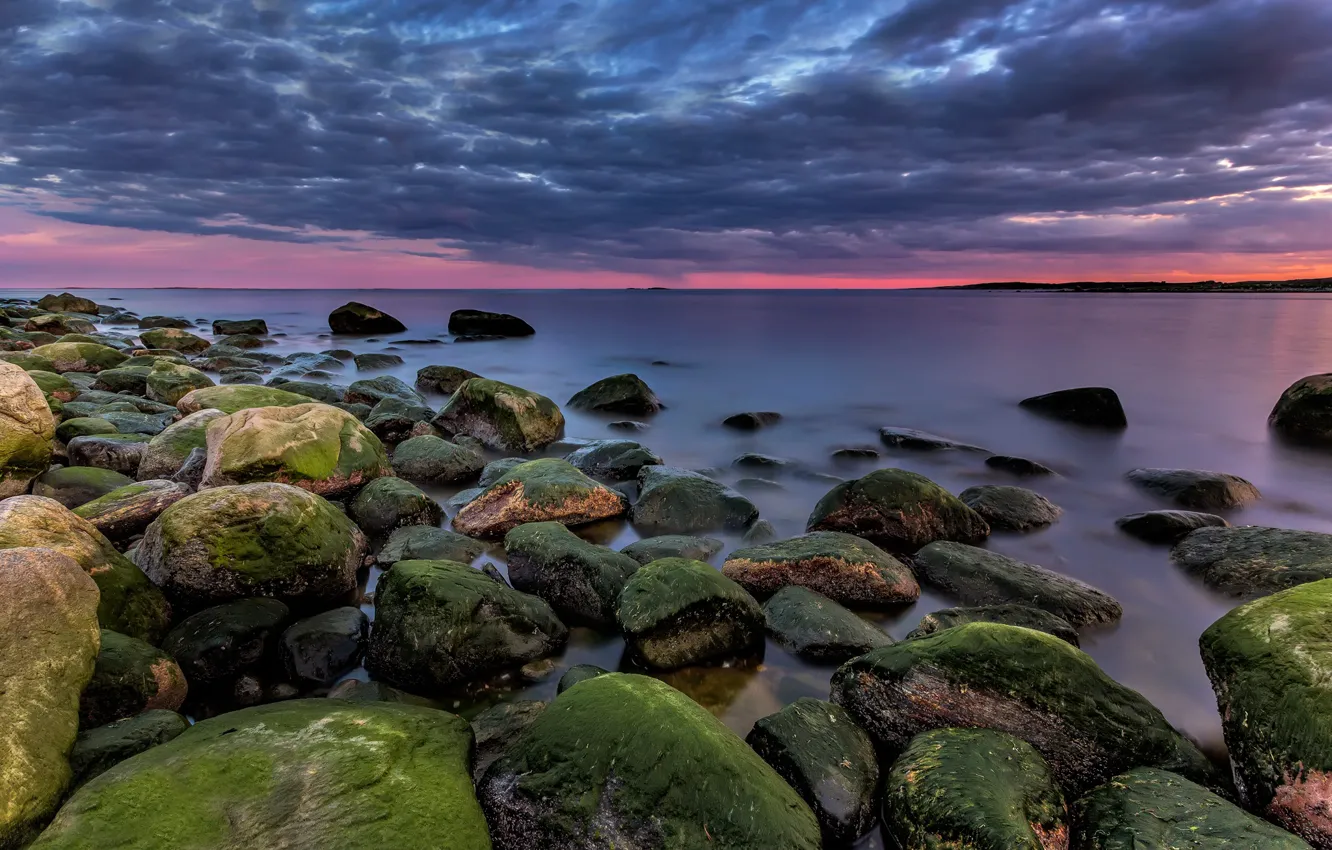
(1322, 284)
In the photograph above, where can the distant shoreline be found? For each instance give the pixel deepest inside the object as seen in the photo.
(1323, 284)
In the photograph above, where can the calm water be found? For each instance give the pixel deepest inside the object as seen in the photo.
(1198, 375)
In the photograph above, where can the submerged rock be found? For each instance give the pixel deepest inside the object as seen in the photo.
(319, 649)
(910, 438)
(99, 749)
(614, 460)
(442, 379)
(357, 318)
(650, 549)
(130, 677)
(897, 510)
(426, 543)
(503, 417)
(653, 771)
(842, 567)
(1198, 489)
(168, 450)
(483, 323)
(537, 491)
(678, 501)
(618, 394)
(1167, 526)
(816, 628)
(752, 421)
(1254, 560)
(1094, 406)
(581, 581)
(1008, 508)
(437, 461)
(1011, 614)
(1304, 410)
(26, 430)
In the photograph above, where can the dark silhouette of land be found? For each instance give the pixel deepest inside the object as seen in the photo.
(1321, 284)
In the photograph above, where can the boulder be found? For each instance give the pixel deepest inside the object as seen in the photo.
(388, 503)
(53, 386)
(539, 491)
(48, 647)
(127, 422)
(652, 770)
(651, 549)
(394, 420)
(1011, 614)
(820, 751)
(980, 577)
(234, 398)
(130, 677)
(1019, 466)
(168, 450)
(228, 327)
(26, 430)
(128, 602)
(1029, 684)
(911, 439)
(67, 303)
(377, 360)
(973, 788)
(82, 426)
(313, 391)
(128, 510)
(59, 324)
(319, 649)
(98, 750)
(252, 540)
(1196, 489)
(815, 628)
(675, 612)
(436, 461)
(1167, 526)
(72, 486)
(174, 339)
(897, 510)
(356, 318)
(842, 567)
(1304, 411)
(169, 382)
(1008, 508)
(581, 581)
(497, 469)
(313, 446)
(752, 421)
(426, 543)
(483, 323)
(613, 460)
(678, 501)
(124, 379)
(1098, 407)
(122, 453)
(617, 394)
(498, 727)
(442, 379)
(1254, 560)
(440, 624)
(216, 645)
(372, 391)
(503, 417)
(299, 774)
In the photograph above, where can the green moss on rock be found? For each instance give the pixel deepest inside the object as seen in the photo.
(538, 491)
(816, 628)
(897, 510)
(169, 382)
(1254, 560)
(168, 450)
(842, 567)
(431, 459)
(426, 543)
(232, 398)
(678, 501)
(26, 430)
(128, 510)
(502, 416)
(131, 677)
(388, 503)
(174, 339)
(625, 393)
(79, 356)
(694, 548)
(580, 580)
(1012, 614)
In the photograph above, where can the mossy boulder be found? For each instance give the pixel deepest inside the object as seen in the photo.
(538, 491)
(426, 543)
(124, 379)
(1304, 410)
(694, 548)
(503, 417)
(234, 398)
(1011, 614)
(28, 361)
(652, 770)
(980, 577)
(675, 612)
(842, 567)
(53, 385)
(60, 324)
(442, 379)
(580, 580)
(1097, 407)
(356, 318)
(128, 510)
(497, 469)
(437, 461)
(216, 645)
(99, 749)
(897, 510)
(498, 727)
(227, 327)
(252, 540)
(679, 501)
(626, 393)
(72, 486)
(613, 460)
(129, 602)
(394, 420)
(68, 303)
(1196, 489)
(388, 503)
(312, 390)
(1268, 663)
(83, 426)
(1167, 526)
(815, 628)
(130, 677)
(132, 422)
(168, 450)
(364, 774)
(1150, 808)
(973, 789)
(79, 356)
(319, 649)
(26, 430)
(1008, 508)
(120, 453)
(440, 624)
(485, 323)
(174, 339)
(313, 446)
(372, 391)
(169, 382)
(1029, 684)
(48, 646)
(1254, 560)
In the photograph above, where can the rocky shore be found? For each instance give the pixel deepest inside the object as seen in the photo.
(189, 656)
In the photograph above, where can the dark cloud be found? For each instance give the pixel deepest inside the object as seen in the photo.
(850, 136)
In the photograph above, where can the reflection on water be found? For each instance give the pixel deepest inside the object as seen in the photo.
(1198, 375)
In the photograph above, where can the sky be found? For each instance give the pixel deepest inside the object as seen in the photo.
(693, 143)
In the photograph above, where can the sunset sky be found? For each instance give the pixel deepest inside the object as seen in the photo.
(515, 143)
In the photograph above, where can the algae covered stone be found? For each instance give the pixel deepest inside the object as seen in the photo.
(580, 580)
(48, 646)
(625, 393)
(675, 612)
(233, 398)
(1254, 560)
(427, 543)
(171, 448)
(678, 501)
(26, 430)
(1029, 684)
(99, 749)
(66, 302)
(130, 677)
(1011, 614)
(651, 770)
(372, 391)
(442, 379)
(816, 628)
(356, 318)
(72, 486)
(316, 447)
(976, 789)
(1268, 663)
(897, 510)
(303, 775)
(252, 540)
(614, 460)
(79, 356)
(1197, 489)
(1167, 526)
(694, 548)
(431, 459)
(1304, 410)
(128, 510)
(842, 567)
(168, 382)
(227, 327)
(537, 491)
(388, 503)
(498, 727)
(1008, 508)
(504, 417)
(174, 339)
(439, 624)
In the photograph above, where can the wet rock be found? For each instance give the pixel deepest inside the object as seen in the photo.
(377, 361)
(109, 451)
(1008, 508)
(1029, 684)
(218, 645)
(137, 423)
(388, 503)
(537, 491)
(124, 379)
(503, 417)
(357, 318)
(252, 540)
(756, 461)
(48, 646)
(761, 531)
(498, 727)
(435, 460)
(973, 788)
(578, 673)
(394, 420)
(67, 303)
(816, 628)
(72, 486)
(650, 754)
(439, 624)
(678, 501)
(244, 342)
(26, 430)
(581, 581)
(1196, 489)
(319, 649)
(462, 499)
(1254, 560)
(228, 327)
(1167, 526)
(651, 549)
(752, 421)
(372, 391)
(102, 748)
(168, 450)
(130, 677)
(79, 357)
(53, 386)
(482, 323)
(169, 382)
(1011, 614)
(497, 469)
(314, 391)
(843, 567)
(426, 543)
(81, 426)
(614, 460)
(1304, 411)
(234, 398)
(628, 425)
(59, 324)
(820, 751)
(617, 394)
(897, 510)
(676, 612)
(174, 339)
(28, 361)
(128, 510)
(1097, 407)
(442, 379)
(911, 439)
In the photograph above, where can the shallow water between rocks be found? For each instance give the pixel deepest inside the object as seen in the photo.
(1197, 374)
